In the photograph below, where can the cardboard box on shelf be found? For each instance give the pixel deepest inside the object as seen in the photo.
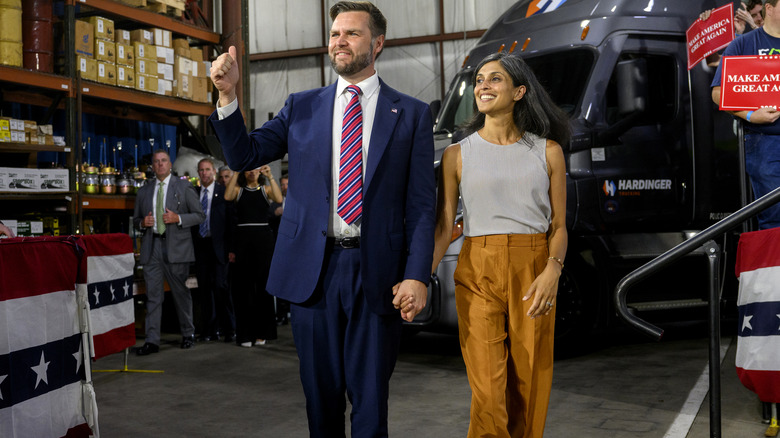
(146, 83)
(85, 39)
(104, 28)
(19, 180)
(198, 71)
(54, 180)
(28, 228)
(146, 67)
(125, 54)
(162, 37)
(31, 126)
(125, 76)
(105, 51)
(196, 54)
(164, 54)
(106, 73)
(164, 87)
(165, 71)
(87, 68)
(145, 51)
(5, 136)
(182, 78)
(122, 36)
(199, 90)
(143, 36)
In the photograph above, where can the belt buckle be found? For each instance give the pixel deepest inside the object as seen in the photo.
(349, 242)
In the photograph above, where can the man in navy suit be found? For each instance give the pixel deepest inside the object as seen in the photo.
(211, 257)
(347, 236)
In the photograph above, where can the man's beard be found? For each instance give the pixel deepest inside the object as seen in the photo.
(360, 62)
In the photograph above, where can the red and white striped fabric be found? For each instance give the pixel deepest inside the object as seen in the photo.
(42, 367)
(106, 279)
(758, 345)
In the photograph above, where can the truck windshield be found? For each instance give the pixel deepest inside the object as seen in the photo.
(563, 74)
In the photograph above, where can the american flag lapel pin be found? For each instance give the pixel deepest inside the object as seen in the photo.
(394, 110)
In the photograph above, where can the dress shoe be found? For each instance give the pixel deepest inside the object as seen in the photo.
(207, 338)
(188, 342)
(230, 338)
(147, 349)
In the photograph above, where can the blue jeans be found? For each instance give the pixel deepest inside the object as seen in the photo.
(762, 162)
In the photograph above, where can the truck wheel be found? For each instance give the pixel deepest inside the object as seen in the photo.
(577, 307)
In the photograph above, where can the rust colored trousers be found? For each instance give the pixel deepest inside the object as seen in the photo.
(508, 355)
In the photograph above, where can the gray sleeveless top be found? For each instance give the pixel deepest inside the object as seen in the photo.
(505, 189)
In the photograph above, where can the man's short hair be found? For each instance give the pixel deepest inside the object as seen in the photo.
(770, 2)
(377, 22)
(209, 160)
(224, 168)
(161, 151)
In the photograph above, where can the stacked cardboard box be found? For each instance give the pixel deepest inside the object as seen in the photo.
(125, 59)
(104, 49)
(163, 41)
(85, 50)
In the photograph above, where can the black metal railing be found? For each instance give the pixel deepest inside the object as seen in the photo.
(703, 241)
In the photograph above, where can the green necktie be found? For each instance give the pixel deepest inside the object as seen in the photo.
(160, 208)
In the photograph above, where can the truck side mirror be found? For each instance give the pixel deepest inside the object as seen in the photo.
(632, 86)
(435, 107)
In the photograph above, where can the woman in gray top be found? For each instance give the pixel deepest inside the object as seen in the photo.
(511, 176)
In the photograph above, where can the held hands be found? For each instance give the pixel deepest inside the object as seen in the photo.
(410, 298)
(170, 217)
(224, 74)
(543, 291)
(742, 19)
(266, 171)
(149, 220)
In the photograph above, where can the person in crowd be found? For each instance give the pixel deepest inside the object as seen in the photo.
(211, 240)
(253, 248)
(762, 129)
(5, 231)
(747, 18)
(282, 305)
(164, 210)
(511, 176)
(349, 233)
(224, 175)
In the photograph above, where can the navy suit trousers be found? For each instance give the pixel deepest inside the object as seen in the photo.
(344, 347)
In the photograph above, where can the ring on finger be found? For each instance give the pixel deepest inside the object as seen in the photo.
(549, 304)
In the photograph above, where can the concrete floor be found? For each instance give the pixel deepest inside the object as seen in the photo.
(625, 386)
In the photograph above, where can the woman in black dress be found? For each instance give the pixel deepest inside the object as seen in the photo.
(253, 243)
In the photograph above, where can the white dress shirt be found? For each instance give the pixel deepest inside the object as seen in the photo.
(368, 100)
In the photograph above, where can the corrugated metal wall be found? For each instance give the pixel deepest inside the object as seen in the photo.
(281, 25)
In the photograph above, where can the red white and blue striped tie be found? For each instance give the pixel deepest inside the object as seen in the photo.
(350, 201)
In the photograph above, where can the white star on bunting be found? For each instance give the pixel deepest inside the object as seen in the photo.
(746, 322)
(111, 288)
(77, 355)
(126, 287)
(1, 381)
(41, 371)
(97, 295)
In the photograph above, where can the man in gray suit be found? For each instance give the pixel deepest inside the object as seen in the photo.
(164, 210)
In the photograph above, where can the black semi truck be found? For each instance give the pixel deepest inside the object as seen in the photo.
(651, 160)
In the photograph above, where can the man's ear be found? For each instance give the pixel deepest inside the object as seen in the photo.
(379, 44)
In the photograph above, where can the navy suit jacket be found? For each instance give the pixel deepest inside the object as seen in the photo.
(398, 192)
(220, 222)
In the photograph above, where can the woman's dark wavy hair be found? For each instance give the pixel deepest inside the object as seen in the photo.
(242, 179)
(535, 112)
